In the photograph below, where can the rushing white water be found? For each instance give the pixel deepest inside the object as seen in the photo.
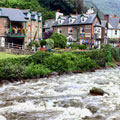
(63, 97)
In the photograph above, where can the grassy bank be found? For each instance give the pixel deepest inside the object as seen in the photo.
(43, 63)
(5, 56)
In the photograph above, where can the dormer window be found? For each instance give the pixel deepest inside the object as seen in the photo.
(29, 15)
(60, 21)
(83, 18)
(70, 20)
(36, 17)
(59, 30)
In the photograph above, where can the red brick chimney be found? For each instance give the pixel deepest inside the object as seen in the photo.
(106, 17)
(58, 10)
(114, 16)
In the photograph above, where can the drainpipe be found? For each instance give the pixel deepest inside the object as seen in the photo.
(77, 34)
(31, 29)
(38, 28)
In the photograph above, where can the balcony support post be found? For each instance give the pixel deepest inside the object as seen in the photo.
(38, 29)
(10, 28)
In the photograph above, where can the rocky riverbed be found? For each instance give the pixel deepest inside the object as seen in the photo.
(63, 97)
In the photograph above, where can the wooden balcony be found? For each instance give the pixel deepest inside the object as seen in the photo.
(16, 30)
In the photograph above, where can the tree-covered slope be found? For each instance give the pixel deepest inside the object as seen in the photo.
(33, 5)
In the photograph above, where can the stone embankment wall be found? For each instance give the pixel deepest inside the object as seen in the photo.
(16, 51)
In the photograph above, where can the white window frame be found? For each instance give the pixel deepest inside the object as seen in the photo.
(70, 30)
(59, 30)
(81, 29)
(116, 32)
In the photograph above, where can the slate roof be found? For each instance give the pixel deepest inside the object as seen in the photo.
(90, 20)
(97, 25)
(34, 13)
(26, 11)
(103, 23)
(114, 22)
(15, 15)
(48, 23)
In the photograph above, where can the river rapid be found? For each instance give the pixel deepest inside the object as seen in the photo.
(63, 97)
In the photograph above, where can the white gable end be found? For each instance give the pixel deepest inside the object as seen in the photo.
(109, 25)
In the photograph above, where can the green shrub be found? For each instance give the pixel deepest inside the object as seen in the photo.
(84, 63)
(97, 55)
(42, 42)
(60, 62)
(59, 40)
(37, 58)
(50, 43)
(69, 62)
(12, 71)
(36, 70)
(115, 53)
(78, 46)
(42, 63)
(109, 64)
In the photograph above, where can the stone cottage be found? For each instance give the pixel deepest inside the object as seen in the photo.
(18, 27)
(83, 28)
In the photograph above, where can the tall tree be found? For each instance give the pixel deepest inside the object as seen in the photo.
(79, 6)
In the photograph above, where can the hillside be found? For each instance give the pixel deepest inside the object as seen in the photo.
(47, 7)
(106, 6)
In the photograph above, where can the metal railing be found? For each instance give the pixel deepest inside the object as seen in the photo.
(15, 46)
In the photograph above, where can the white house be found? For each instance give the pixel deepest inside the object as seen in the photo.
(113, 32)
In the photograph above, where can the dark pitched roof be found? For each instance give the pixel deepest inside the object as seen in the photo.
(90, 20)
(34, 13)
(13, 14)
(26, 11)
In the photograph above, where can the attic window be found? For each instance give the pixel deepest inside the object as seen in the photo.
(60, 21)
(70, 20)
(83, 19)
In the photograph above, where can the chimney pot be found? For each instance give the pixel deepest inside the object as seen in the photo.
(58, 10)
(114, 16)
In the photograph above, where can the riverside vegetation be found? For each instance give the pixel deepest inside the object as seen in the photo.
(42, 64)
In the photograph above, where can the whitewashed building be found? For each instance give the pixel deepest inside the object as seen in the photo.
(113, 31)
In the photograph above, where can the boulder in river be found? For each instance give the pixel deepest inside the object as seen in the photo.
(54, 73)
(97, 91)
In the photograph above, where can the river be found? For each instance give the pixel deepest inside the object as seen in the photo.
(63, 97)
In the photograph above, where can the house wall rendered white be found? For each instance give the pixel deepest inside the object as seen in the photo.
(111, 33)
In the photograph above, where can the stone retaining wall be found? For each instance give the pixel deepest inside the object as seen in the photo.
(16, 51)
